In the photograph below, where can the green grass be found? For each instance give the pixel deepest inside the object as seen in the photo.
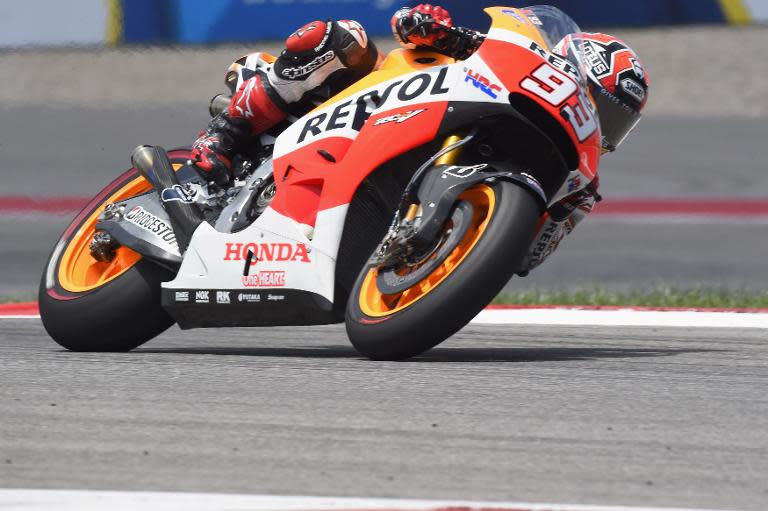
(699, 298)
(17, 299)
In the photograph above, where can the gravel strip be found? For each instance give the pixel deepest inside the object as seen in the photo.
(695, 71)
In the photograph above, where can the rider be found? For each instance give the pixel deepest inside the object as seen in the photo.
(323, 58)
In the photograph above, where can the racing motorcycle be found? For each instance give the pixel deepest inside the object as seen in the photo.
(401, 206)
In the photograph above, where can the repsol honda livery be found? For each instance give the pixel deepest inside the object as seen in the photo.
(401, 206)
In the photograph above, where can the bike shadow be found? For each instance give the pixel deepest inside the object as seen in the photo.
(533, 355)
(440, 354)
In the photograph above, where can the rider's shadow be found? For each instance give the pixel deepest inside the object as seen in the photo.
(439, 355)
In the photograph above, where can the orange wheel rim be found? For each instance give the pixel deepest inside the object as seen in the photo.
(374, 303)
(79, 272)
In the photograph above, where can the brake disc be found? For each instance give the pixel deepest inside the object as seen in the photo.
(396, 279)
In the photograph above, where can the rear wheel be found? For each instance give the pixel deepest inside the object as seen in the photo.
(87, 305)
(396, 313)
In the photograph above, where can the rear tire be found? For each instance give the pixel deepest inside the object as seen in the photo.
(85, 305)
(119, 316)
(458, 298)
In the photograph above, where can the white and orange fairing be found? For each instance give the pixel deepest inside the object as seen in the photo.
(321, 160)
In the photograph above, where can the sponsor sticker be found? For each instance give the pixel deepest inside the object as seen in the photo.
(399, 118)
(265, 279)
(248, 298)
(293, 252)
(149, 222)
(462, 172)
(275, 298)
(633, 88)
(482, 83)
(557, 61)
(179, 193)
(548, 240)
(223, 297)
(596, 58)
(574, 183)
(353, 113)
(638, 68)
(182, 296)
(202, 297)
(326, 36)
(514, 14)
(534, 183)
(357, 31)
(532, 17)
(297, 72)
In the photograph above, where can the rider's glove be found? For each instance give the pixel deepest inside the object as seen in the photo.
(424, 25)
(213, 150)
(460, 43)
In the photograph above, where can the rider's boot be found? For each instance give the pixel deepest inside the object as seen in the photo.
(559, 221)
(251, 112)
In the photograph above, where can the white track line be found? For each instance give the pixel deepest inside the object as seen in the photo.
(622, 318)
(66, 500)
(629, 317)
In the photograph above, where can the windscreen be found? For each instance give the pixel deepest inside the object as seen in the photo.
(554, 25)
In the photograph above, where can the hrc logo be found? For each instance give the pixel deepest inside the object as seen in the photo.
(482, 83)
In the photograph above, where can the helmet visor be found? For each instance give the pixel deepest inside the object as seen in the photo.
(617, 120)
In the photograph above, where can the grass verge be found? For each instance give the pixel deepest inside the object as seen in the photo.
(5, 300)
(695, 298)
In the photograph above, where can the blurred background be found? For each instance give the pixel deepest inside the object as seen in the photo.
(686, 200)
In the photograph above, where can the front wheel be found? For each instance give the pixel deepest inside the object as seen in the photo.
(397, 313)
(87, 305)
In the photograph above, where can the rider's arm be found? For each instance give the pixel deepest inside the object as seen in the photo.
(428, 26)
(320, 60)
(559, 221)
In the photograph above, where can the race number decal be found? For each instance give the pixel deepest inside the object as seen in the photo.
(581, 117)
(550, 84)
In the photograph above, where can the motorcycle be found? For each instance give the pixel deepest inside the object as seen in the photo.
(401, 206)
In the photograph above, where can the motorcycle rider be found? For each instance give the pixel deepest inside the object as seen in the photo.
(619, 84)
(322, 58)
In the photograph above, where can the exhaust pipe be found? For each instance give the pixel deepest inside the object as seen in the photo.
(153, 163)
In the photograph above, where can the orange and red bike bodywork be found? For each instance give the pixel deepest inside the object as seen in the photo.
(288, 263)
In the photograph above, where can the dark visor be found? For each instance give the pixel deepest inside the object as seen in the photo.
(617, 119)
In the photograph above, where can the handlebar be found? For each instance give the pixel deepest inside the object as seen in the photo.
(461, 42)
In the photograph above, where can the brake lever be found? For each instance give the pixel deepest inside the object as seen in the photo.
(418, 25)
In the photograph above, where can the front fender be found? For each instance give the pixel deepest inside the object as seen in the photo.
(442, 186)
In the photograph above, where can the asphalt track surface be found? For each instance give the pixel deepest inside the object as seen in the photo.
(53, 152)
(646, 417)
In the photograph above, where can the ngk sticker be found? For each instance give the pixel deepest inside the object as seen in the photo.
(293, 252)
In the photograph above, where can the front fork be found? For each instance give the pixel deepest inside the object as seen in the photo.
(449, 158)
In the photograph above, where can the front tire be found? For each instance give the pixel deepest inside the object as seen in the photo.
(404, 324)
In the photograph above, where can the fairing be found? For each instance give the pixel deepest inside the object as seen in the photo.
(321, 160)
